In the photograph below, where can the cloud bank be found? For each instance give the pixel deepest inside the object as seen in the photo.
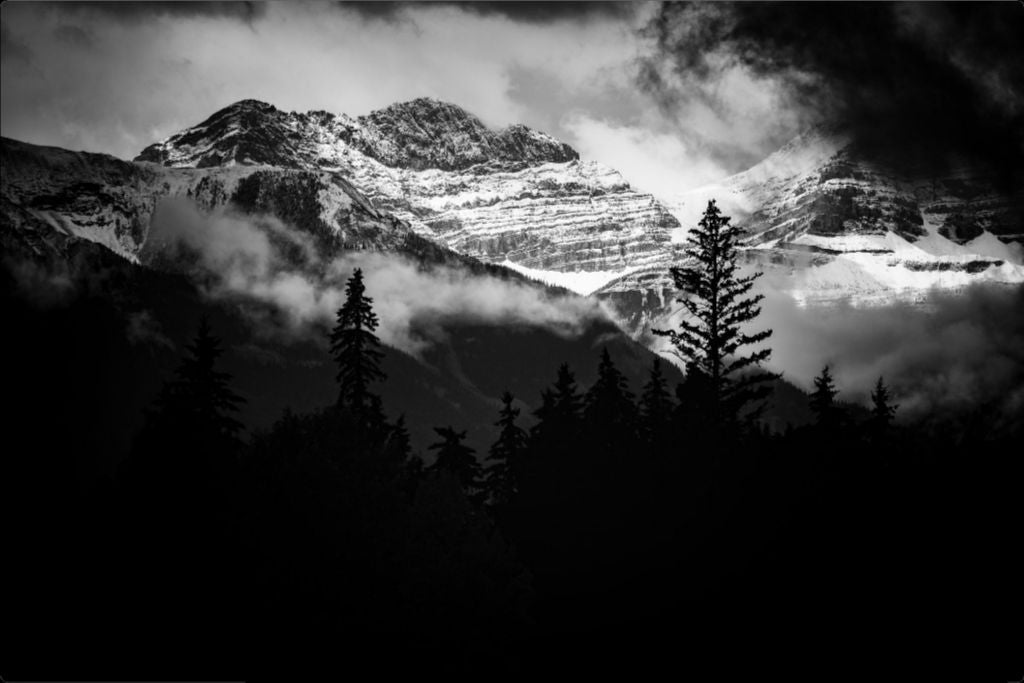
(952, 357)
(956, 353)
(254, 258)
(129, 74)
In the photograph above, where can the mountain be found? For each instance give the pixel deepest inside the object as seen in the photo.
(420, 134)
(828, 222)
(83, 250)
(826, 219)
(516, 196)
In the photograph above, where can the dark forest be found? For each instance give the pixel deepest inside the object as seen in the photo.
(606, 526)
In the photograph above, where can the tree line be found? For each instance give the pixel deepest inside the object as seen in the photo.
(659, 509)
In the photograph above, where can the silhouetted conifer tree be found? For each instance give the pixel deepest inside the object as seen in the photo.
(560, 411)
(456, 458)
(568, 403)
(656, 407)
(609, 415)
(715, 299)
(356, 349)
(608, 403)
(188, 448)
(822, 400)
(882, 410)
(554, 436)
(505, 453)
(199, 403)
(544, 413)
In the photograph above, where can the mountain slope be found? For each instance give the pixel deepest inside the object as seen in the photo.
(515, 195)
(827, 222)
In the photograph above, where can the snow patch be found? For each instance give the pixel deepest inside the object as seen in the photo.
(581, 282)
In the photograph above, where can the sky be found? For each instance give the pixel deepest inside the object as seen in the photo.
(673, 96)
(116, 77)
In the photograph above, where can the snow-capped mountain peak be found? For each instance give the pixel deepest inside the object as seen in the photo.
(419, 134)
(515, 194)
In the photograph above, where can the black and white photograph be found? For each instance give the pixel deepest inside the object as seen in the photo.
(512, 340)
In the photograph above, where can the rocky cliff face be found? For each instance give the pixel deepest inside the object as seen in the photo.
(515, 195)
(94, 197)
(420, 134)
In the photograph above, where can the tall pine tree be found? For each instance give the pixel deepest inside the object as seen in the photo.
(199, 401)
(561, 408)
(554, 438)
(656, 407)
(717, 305)
(399, 445)
(191, 435)
(882, 410)
(456, 458)
(822, 400)
(608, 404)
(505, 453)
(356, 349)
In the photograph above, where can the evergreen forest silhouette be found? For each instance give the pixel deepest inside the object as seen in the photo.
(600, 515)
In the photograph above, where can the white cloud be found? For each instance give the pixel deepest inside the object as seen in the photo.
(659, 163)
(413, 302)
(137, 82)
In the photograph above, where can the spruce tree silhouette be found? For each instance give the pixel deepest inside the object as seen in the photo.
(356, 349)
(610, 415)
(542, 430)
(505, 453)
(822, 400)
(608, 404)
(198, 405)
(882, 411)
(709, 337)
(559, 414)
(567, 402)
(656, 405)
(458, 459)
(399, 444)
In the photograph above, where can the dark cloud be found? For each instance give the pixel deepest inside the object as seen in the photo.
(142, 11)
(524, 12)
(389, 12)
(12, 49)
(544, 12)
(925, 82)
(73, 35)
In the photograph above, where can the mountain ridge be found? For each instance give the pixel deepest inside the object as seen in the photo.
(827, 222)
(419, 134)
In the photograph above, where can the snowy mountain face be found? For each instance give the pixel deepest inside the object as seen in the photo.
(420, 134)
(49, 194)
(515, 196)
